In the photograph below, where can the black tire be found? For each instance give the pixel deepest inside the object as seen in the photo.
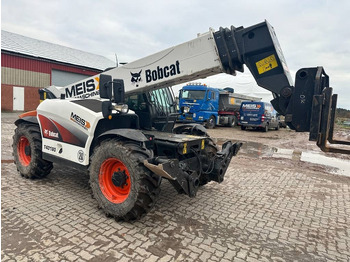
(277, 127)
(229, 121)
(209, 155)
(243, 128)
(266, 128)
(210, 124)
(142, 187)
(27, 152)
(235, 121)
(232, 121)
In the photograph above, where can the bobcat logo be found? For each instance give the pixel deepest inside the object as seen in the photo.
(136, 77)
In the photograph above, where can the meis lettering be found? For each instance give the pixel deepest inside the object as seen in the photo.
(80, 121)
(81, 88)
(77, 119)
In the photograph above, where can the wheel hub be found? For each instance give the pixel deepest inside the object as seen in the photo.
(27, 150)
(119, 179)
(24, 151)
(114, 180)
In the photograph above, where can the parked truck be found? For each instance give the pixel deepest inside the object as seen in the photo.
(211, 106)
(127, 153)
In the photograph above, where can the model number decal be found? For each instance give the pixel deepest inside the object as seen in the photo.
(50, 148)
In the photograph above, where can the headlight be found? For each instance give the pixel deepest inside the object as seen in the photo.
(194, 115)
(185, 109)
(123, 108)
(242, 118)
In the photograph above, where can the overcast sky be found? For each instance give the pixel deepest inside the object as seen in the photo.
(311, 33)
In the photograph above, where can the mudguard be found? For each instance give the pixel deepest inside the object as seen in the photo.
(27, 117)
(131, 134)
(191, 129)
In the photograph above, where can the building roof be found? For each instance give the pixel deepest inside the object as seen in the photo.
(40, 49)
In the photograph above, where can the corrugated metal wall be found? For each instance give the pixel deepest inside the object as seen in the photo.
(19, 77)
(40, 65)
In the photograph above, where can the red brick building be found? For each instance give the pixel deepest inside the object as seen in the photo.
(29, 64)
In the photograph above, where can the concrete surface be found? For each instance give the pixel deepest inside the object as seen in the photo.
(265, 210)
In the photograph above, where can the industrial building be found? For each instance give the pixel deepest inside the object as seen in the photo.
(29, 64)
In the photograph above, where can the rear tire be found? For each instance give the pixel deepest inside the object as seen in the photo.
(234, 121)
(229, 121)
(243, 128)
(123, 187)
(266, 128)
(27, 146)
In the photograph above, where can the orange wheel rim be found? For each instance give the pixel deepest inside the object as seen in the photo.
(114, 180)
(24, 158)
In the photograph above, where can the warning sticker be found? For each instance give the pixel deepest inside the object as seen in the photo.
(266, 64)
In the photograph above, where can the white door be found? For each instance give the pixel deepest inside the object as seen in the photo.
(18, 98)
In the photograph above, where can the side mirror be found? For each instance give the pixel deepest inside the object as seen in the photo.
(118, 91)
(105, 86)
(209, 95)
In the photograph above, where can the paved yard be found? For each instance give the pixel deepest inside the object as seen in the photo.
(271, 210)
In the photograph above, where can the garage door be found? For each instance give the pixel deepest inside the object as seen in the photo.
(62, 78)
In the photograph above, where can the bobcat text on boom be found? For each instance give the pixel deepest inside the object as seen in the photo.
(162, 72)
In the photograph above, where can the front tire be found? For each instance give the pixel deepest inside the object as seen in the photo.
(208, 157)
(27, 146)
(210, 124)
(123, 187)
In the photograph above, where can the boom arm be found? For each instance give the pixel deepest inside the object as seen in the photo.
(308, 106)
(210, 53)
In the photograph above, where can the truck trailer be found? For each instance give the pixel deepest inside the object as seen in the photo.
(211, 106)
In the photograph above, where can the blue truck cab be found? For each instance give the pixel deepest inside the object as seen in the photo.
(202, 101)
(258, 115)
